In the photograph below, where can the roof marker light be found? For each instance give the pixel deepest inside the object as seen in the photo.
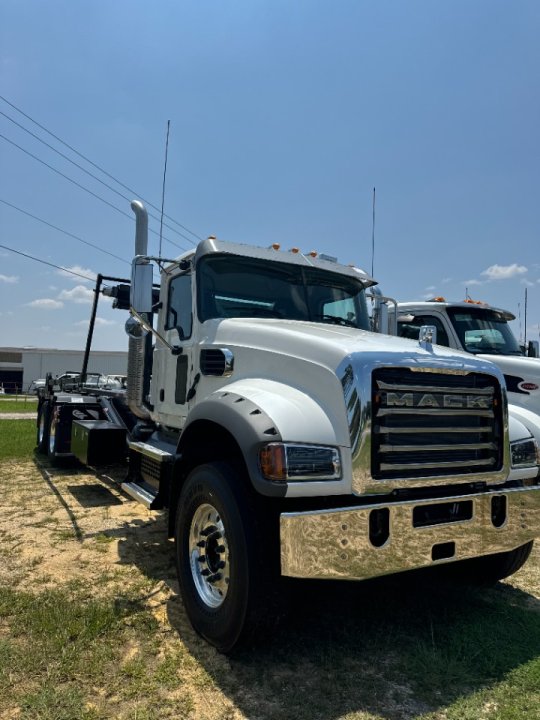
(295, 250)
(275, 246)
(313, 254)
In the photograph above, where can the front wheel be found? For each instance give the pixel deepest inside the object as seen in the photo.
(217, 555)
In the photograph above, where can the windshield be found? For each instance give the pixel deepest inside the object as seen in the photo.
(232, 286)
(484, 331)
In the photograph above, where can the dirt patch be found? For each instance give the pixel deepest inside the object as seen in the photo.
(346, 654)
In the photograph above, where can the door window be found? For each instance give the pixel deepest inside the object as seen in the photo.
(411, 328)
(179, 307)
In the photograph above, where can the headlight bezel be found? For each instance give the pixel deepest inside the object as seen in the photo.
(289, 462)
(524, 453)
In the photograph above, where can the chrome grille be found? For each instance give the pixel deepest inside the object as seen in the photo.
(429, 424)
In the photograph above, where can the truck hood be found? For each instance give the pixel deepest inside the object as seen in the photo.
(329, 345)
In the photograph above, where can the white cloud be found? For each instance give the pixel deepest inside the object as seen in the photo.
(445, 281)
(503, 272)
(80, 295)
(472, 282)
(46, 304)
(90, 274)
(100, 322)
(431, 288)
(9, 278)
(526, 282)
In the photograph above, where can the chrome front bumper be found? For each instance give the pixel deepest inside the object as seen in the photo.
(336, 544)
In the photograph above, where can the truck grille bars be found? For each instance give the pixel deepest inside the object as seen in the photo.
(429, 424)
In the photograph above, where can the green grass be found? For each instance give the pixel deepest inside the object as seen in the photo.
(16, 406)
(62, 659)
(17, 439)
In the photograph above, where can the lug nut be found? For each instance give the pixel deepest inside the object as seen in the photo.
(208, 530)
(201, 558)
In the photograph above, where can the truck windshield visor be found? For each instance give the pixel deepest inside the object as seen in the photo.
(232, 286)
(484, 331)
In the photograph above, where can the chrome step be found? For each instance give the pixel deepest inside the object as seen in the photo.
(139, 493)
(150, 451)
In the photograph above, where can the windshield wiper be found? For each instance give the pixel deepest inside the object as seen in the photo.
(338, 320)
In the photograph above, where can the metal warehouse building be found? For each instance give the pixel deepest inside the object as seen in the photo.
(20, 366)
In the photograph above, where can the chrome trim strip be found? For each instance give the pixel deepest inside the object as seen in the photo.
(335, 544)
(411, 430)
(424, 466)
(429, 411)
(420, 448)
(435, 389)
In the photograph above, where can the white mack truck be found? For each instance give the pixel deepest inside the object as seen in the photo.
(286, 438)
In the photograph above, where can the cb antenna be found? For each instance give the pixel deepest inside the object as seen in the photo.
(373, 235)
(163, 189)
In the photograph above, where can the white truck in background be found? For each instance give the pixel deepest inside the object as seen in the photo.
(284, 438)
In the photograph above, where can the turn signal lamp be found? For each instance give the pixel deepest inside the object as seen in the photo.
(283, 462)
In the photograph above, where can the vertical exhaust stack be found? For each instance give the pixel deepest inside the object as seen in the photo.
(138, 347)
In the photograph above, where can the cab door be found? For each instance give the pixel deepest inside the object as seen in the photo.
(173, 370)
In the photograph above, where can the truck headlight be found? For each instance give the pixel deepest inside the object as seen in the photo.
(293, 462)
(525, 453)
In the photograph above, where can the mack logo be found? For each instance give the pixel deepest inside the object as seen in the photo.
(428, 400)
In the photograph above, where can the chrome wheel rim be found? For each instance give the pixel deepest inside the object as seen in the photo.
(41, 427)
(52, 437)
(209, 556)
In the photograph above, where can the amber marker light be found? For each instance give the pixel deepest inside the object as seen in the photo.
(313, 254)
(272, 461)
(295, 250)
(275, 246)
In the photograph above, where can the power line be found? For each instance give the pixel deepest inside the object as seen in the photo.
(65, 232)
(133, 192)
(82, 187)
(87, 172)
(45, 262)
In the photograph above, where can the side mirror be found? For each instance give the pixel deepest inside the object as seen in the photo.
(142, 278)
(533, 349)
(427, 335)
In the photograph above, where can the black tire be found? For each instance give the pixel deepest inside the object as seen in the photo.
(214, 508)
(489, 569)
(42, 435)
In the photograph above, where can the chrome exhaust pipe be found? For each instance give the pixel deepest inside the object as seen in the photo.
(137, 349)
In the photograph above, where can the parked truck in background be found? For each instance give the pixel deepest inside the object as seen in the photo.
(284, 438)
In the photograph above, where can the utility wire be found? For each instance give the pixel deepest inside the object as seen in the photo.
(45, 262)
(133, 192)
(65, 232)
(94, 177)
(82, 187)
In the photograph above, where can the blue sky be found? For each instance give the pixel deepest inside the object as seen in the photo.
(284, 116)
